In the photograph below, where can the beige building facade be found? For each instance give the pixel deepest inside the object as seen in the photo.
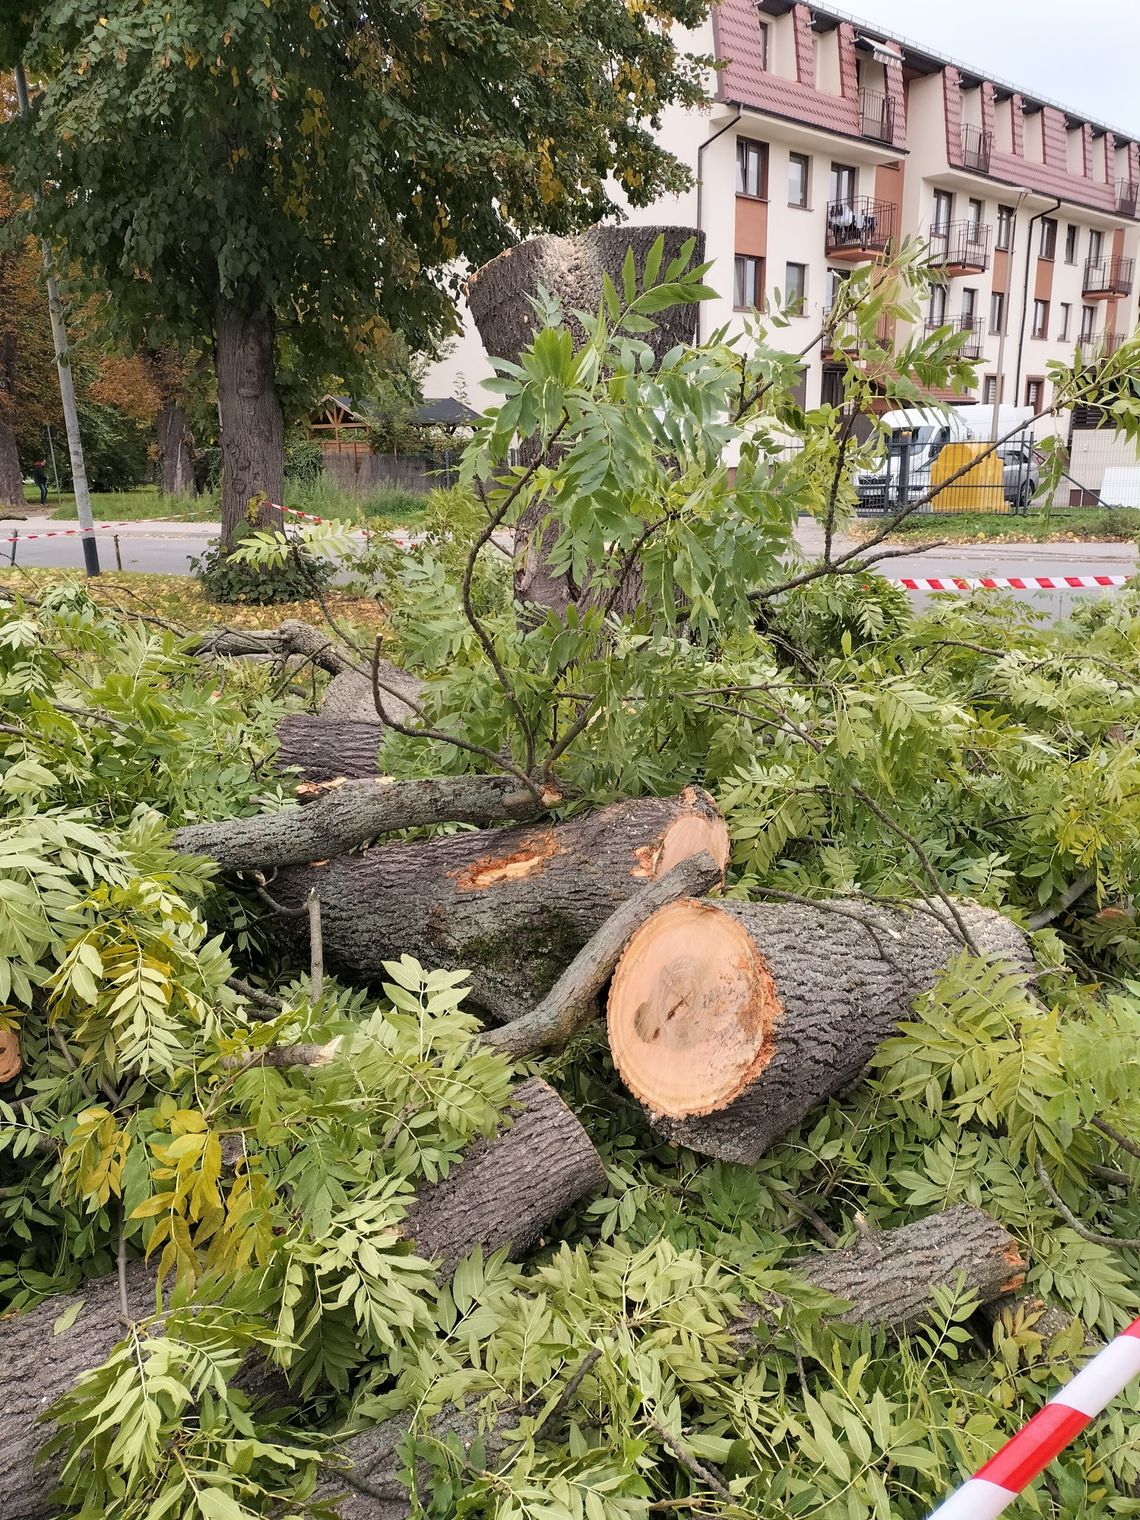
(827, 141)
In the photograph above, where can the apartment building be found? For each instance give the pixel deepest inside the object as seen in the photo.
(827, 141)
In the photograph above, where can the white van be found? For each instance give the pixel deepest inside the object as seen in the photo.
(917, 435)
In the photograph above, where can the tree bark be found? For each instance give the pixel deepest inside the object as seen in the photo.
(293, 637)
(502, 1193)
(511, 906)
(327, 751)
(888, 1279)
(348, 816)
(11, 476)
(175, 447)
(732, 1021)
(350, 696)
(249, 411)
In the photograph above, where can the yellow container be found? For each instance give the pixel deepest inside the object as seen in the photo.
(980, 489)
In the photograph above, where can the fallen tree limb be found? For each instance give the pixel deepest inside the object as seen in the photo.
(572, 1001)
(890, 1279)
(730, 1022)
(350, 815)
(350, 698)
(503, 1193)
(1068, 898)
(511, 906)
(293, 637)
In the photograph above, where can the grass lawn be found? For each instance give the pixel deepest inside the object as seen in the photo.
(178, 599)
(131, 506)
(1092, 525)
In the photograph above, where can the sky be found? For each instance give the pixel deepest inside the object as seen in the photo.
(1083, 53)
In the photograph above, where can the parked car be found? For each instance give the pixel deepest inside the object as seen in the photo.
(916, 438)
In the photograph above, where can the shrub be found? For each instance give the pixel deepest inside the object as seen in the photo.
(225, 579)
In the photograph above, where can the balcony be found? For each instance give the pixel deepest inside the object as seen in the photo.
(1127, 196)
(845, 340)
(1105, 278)
(961, 248)
(876, 116)
(976, 149)
(971, 326)
(859, 228)
(1110, 342)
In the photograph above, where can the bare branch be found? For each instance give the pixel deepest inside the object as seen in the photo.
(1072, 1220)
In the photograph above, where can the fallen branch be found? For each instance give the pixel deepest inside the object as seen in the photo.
(1072, 894)
(1122, 1243)
(350, 815)
(572, 1002)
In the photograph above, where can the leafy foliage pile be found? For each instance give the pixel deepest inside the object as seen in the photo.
(855, 745)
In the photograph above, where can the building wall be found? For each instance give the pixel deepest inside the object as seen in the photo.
(806, 100)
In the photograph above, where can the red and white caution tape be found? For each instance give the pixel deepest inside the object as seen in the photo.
(1011, 583)
(997, 1484)
(26, 538)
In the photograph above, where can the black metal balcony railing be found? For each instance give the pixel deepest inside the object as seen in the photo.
(877, 116)
(976, 149)
(1108, 277)
(843, 338)
(961, 245)
(971, 326)
(860, 225)
(1127, 196)
(1111, 342)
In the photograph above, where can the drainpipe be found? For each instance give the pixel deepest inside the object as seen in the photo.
(708, 142)
(1036, 217)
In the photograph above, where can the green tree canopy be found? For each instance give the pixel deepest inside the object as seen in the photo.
(258, 175)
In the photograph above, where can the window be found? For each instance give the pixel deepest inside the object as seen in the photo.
(997, 311)
(799, 175)
(989, 390)
(1066, 321)
(1096, 246)
(943, 211)
(1049, 238)
(1005, 227)
(831, 385)
(751, 168)
(977, 215)
(762, 28)
(795, 287)
(1040, 319)
(1071, 235)
(835, 279)
(1035, 394)
(843, 182)
(749, 284)
(969, 306)
(1088, 323)
(937, 305)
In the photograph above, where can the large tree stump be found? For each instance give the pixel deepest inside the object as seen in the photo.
(731, 1021)
(504, 1192)
(570, 268)
(889, 1279)
(513, 906)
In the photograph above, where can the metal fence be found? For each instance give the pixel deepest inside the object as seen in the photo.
(931, 471)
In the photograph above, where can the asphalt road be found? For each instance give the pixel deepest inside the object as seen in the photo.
(167, 548)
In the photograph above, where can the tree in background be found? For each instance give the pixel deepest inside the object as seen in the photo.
(244, 175)
(29, 392)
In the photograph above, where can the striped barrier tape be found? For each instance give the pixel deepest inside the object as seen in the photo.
(996, 1485)
(1011, 583)
(26, 538)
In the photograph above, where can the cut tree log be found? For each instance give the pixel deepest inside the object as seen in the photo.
(350, 699)
(730, 1022)
(11, 1062)
(571, 269)
(503, 1193)
(348, 816)
(889, 1279)
(511, 906)
(327, 751)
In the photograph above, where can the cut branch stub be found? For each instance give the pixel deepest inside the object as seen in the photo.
(514, 906)
(732, 1021)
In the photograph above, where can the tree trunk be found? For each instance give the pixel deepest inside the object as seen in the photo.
(511, 906)
(11, 476)
(350, 695)
(888, 1279)
(252, 425)
(572, 269)
(324, 751)
(731, 1021)
(503, 1192)
(175, 447)
(348, 816)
